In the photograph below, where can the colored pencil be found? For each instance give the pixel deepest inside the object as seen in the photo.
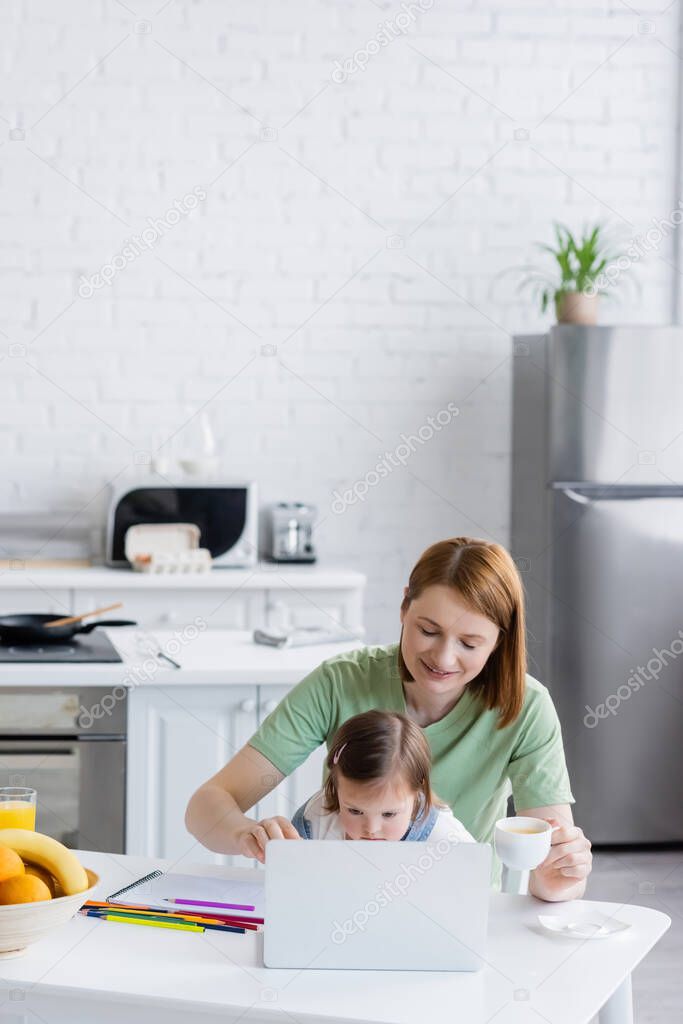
(210, 903)
(143, 907)
(189, 919)
(115, 908)
(150, 920)
(145, 916)
(177, 925)
(118, 908)
(225, 928)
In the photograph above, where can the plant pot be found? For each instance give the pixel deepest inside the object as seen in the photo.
(577, 308)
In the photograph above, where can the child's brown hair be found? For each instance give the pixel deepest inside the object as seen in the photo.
(376, 746)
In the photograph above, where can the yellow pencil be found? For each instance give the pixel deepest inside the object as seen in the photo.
(155, 924)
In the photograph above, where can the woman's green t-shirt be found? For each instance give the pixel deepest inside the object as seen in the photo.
(474, 765)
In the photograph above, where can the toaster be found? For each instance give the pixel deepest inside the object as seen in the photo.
(291, 532)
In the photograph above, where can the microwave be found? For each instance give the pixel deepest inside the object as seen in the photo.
(226, 514)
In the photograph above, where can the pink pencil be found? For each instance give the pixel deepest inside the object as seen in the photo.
(210, 903)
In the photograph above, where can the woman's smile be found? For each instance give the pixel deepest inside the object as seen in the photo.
(437, 673)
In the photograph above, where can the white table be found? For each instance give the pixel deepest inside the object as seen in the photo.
(96, 971)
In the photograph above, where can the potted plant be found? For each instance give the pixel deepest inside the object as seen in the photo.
(577, 288)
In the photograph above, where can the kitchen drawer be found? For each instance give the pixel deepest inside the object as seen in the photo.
(289, 609)
(38, 599)
(174, 608)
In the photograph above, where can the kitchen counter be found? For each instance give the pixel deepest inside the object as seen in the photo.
(94, 970)
(266, 575)
(215, 657)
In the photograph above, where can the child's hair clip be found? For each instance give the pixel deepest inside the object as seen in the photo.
(335, 759)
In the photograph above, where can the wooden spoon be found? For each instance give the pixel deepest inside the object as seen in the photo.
(86, 615)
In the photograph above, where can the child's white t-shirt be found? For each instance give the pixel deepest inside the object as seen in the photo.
(325, 825)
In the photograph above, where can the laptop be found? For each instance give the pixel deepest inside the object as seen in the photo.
(381, 906)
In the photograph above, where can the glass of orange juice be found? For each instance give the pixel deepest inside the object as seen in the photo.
(17, 808)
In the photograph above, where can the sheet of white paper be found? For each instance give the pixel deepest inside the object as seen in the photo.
(155, 892)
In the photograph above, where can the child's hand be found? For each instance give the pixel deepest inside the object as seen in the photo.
(252, 842)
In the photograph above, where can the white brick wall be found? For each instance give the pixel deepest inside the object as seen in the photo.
(420, 145)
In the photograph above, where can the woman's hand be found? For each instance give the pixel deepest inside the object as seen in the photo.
(252, 841)
(563, 874)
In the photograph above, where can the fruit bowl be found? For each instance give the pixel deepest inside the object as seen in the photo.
(22, 924)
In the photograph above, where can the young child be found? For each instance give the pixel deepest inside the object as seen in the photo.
(378, 786)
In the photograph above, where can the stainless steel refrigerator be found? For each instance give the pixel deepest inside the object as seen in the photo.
(597, 531)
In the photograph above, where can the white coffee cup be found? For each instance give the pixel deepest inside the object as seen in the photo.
(523, 843)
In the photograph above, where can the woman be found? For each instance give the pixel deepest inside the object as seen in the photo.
(459, 672)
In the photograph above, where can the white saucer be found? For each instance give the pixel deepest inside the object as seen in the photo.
(594, 927)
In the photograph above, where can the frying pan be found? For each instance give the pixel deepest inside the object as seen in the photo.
(29, 629)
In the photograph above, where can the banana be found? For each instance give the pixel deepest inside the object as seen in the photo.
(48, 854)
(44, 876)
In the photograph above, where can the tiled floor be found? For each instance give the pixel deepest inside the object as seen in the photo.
(651, 880)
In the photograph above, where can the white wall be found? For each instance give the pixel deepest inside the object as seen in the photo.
(293, 246)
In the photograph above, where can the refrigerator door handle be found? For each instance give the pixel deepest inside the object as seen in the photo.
(592, 492)
(577, 496)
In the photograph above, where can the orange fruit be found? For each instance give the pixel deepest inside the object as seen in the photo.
(23, 889)
(10, 863)
(43, 875)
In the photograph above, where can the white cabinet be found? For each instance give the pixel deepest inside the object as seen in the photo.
(35, 599)
(286, 799)
(175, 608)
(177, 738)
(270, 596)
(329, 607)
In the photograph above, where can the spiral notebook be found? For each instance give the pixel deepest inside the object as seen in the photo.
(156, 888)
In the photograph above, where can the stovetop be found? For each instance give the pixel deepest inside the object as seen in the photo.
(92, 647)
